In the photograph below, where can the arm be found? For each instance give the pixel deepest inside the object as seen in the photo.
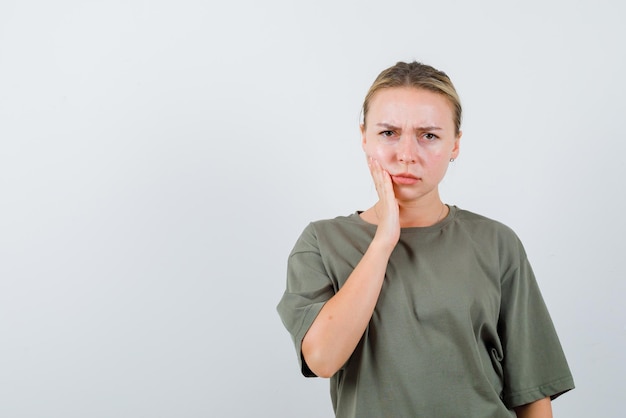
(538, 409)
(336, 331)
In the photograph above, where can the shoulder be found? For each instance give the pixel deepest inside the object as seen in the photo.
(488, 236)
(482, 228)
(469, 217)
(475, 220)
(324, 230)
(338, 225)
(351, 219)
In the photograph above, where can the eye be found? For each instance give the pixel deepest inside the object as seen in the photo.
(387, 134)
(430, 137)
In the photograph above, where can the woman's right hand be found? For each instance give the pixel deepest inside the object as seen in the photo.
(386, 209)
(338, 328)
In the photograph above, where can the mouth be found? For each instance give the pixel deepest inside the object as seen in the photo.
(404, 179)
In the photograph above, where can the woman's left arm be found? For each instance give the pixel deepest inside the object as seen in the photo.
(538, 409)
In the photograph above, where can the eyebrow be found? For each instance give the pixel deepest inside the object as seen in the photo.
(421, 128)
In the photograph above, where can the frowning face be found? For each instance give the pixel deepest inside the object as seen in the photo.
(411, 133)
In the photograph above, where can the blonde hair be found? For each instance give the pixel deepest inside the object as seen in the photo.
(420, 76)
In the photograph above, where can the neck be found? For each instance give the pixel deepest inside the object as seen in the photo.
(422, 214)
(413, 214)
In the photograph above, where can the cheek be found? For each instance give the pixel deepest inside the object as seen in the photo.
(376, 151)
(439, 156)
(439, 163)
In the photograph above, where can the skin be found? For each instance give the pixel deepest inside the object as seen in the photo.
(538, 409)
(409, 132)
(409, 138)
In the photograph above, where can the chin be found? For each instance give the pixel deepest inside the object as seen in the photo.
(408, 197)
(405, 194)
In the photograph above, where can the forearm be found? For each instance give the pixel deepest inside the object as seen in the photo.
(538, 409)
(340, 324)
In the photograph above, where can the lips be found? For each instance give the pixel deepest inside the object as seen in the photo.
(404, 179)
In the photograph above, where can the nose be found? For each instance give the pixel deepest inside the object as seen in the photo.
(407, 158)
(407, 153)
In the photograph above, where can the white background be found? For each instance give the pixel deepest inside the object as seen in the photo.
(159, 159)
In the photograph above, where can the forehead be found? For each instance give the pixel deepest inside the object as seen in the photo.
(404, 104)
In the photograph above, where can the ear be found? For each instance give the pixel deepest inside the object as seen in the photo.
(363, 139)
(455, 148)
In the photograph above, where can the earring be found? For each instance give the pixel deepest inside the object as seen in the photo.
(451, 160)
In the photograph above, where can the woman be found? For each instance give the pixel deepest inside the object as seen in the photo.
(415, 308)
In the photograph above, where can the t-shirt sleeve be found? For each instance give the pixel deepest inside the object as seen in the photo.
(534, 364)
(308, 289)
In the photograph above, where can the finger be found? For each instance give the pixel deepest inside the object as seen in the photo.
(378, 176)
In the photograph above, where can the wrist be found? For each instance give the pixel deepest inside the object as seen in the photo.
(383, 245)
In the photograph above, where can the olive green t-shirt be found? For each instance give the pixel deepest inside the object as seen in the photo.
(459, 330)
